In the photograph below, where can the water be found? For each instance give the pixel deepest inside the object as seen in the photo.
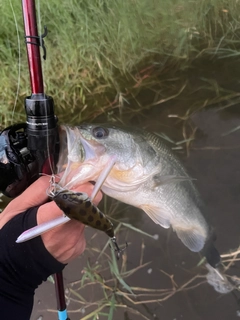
(214, 161)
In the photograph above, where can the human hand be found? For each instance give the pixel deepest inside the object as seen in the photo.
(64, 242)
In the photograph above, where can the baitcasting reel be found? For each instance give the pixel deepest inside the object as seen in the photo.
(18, 166)
(29, 149)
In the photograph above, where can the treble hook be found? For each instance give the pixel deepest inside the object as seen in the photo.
(117, 249)
(52, 187)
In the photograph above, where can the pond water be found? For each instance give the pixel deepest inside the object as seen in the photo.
(213, 159)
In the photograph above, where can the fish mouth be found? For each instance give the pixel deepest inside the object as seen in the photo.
(78, 146)
(88, 150)
(91, 149)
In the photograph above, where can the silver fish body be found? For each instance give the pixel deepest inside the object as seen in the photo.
(146, 175)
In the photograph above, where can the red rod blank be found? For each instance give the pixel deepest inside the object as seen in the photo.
(33, 52)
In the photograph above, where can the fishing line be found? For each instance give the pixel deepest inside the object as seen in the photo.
(19, 61)
(45, 103)
(41, 228)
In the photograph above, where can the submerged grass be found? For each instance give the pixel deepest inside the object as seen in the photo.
(108, 279)
(108, 289)
(101, 54)
(111, 292)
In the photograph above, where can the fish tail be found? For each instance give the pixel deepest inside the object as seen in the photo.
(213, 256)
(210, 252)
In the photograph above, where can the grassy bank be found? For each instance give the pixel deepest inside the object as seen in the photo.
(100, 54)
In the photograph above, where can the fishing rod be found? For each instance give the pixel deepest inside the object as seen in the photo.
(30, 148)
(41, 121)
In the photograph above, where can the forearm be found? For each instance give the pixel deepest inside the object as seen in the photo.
(23, 267)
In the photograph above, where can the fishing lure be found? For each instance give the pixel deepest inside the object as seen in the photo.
(78, 206)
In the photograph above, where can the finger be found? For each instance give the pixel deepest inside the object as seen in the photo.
(67, 241)
(88, 188)
(34, 195)
(50, 210)
(64, 242)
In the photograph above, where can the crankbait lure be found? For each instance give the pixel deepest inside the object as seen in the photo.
(78, 206)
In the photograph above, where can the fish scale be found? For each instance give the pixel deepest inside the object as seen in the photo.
(146, 174)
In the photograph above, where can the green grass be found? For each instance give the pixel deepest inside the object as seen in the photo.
(101, 54)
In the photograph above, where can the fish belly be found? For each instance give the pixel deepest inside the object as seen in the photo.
(168, 206)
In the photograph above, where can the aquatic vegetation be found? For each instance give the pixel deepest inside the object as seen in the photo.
(112, 295)
(102, 54)
(121, 58)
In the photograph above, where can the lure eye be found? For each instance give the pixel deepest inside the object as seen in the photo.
(100, 132)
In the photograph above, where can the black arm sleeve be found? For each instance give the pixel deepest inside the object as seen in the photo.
(23, 267)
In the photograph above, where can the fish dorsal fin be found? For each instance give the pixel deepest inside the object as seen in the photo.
(166, 179)
(193, 237)
(158, 215)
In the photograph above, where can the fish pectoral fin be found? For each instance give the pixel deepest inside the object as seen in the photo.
(159, 179)
(191, 237)
(158, 215)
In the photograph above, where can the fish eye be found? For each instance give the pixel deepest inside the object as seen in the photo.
(100, 133)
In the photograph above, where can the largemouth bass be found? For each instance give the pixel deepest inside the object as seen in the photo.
(146, 174)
